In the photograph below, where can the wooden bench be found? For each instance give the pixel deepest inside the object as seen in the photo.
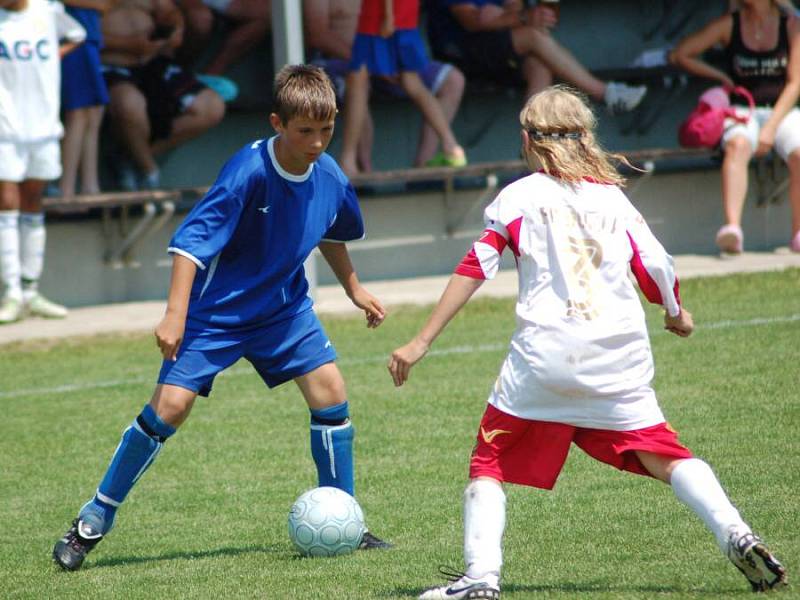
(157, 208)
(81, 203)
(646, 160)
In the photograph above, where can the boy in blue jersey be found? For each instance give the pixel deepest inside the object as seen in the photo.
(238, 289)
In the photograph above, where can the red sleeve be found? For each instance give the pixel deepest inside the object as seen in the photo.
(482, 259)
(647, 284)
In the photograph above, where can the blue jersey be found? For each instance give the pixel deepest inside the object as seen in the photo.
(251, 233)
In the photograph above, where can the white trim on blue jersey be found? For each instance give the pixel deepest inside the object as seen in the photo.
(194, 259)
(283, 172)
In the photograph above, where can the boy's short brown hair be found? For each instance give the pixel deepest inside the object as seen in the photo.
(304, 90)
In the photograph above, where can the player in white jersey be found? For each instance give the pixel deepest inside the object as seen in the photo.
(580, 365)
(31, 35)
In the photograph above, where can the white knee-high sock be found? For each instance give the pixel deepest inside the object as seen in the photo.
(695, 484)
(32, 241)
(484, 523)
(10, 254)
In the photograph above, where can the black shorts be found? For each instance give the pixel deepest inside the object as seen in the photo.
(490, 55)
(168, 90)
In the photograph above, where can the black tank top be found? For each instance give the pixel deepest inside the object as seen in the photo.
(763, 73)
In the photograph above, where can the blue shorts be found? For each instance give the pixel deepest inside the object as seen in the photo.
(433, 76)
(82, 83)
(279, 352)
(402, 51)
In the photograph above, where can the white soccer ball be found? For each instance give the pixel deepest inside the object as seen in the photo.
(326, 521)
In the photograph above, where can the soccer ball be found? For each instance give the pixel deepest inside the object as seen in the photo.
(326, 521)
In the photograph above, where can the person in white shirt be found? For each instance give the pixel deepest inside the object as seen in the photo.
(580, 364)
(31, 35)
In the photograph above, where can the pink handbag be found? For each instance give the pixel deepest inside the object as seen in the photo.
(704, 126)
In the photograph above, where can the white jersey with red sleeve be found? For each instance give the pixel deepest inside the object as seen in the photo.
(30, 70)
(581, 353)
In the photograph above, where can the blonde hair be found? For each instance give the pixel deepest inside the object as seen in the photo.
(560, 127)
(304, 90)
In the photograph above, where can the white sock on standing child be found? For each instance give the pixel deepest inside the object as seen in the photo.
(32, 241)
(10, 254)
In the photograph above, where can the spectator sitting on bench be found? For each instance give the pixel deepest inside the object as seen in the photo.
(503, 41)
(330, 26)
(155, 104)
(247, 22)
(762, 54)
(388, 44)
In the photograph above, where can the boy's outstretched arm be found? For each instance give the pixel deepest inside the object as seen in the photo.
(459, 289)
(336, 255)
(169, 332)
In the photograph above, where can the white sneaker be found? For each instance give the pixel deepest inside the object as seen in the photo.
(621, 97)
(465, 587)
(10, 310)
(750, 555)
(40, 306)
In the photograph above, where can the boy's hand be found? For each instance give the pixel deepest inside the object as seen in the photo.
(371, 306)
(387, 28)
(490, 12)
(176, 39)
(682, 325)
(404, 358)
(169, 335)
(766, 139)
(541, 18)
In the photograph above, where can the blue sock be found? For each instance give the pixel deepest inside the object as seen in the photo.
(140, 444)
(332, 446)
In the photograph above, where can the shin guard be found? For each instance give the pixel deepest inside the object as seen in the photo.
(141, 442)
(332, 447)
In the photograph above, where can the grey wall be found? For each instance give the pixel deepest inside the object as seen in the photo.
(408, 235)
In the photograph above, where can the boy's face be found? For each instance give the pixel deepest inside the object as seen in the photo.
(302, 140)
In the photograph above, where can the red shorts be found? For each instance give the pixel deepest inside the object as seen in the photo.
(533, 453)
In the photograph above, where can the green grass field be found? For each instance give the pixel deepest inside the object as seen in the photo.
(209, 519)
